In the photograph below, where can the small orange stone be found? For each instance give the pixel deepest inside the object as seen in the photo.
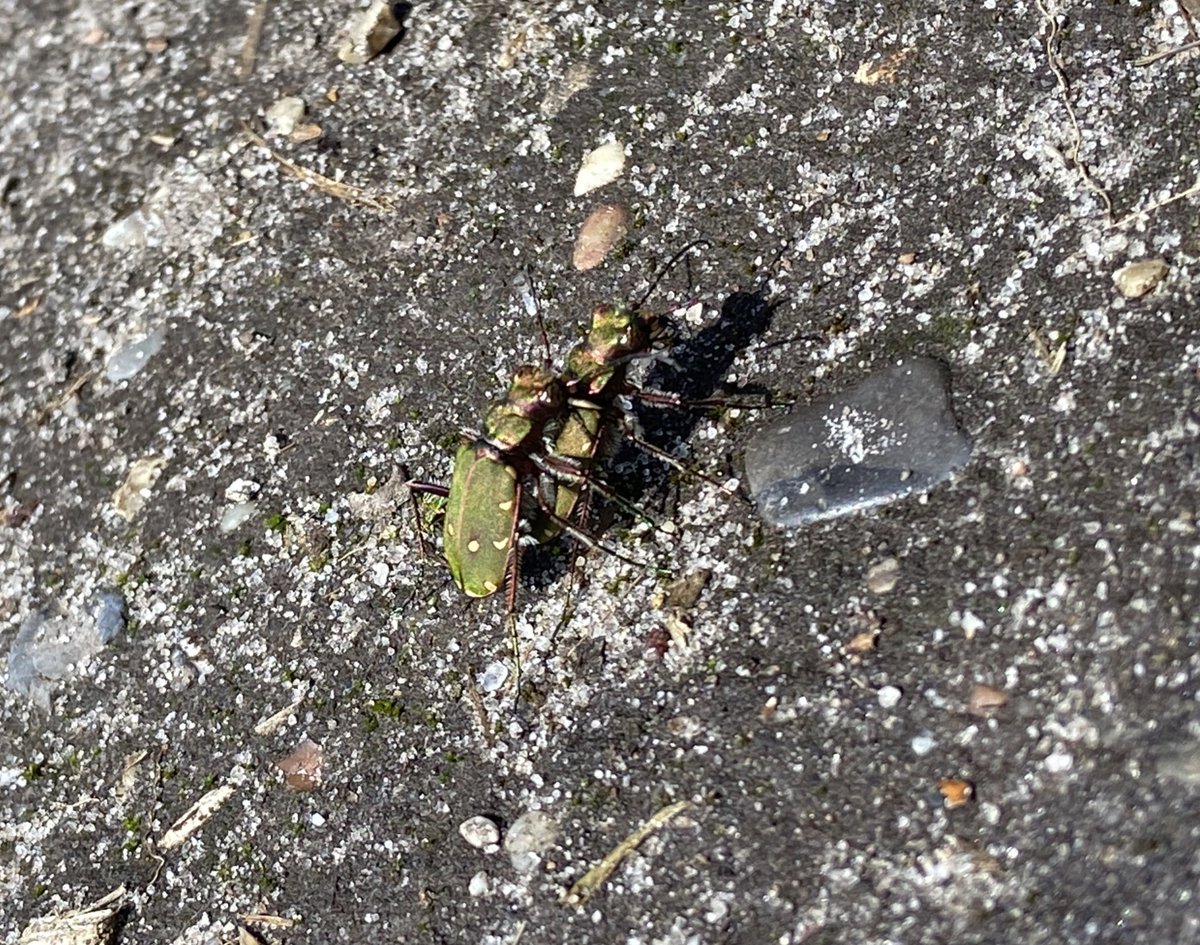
(956, 792)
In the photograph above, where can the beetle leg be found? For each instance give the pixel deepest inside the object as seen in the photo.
(662, 398)
(661, 454)
(567, 471)
(426, 488)
(588, 541)
(512, 567)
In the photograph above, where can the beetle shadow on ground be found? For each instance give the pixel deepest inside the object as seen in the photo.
(694, 369)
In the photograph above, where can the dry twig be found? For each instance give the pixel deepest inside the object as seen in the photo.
(254, 29)
(598, 875)
(358, 196)
(1052, 42)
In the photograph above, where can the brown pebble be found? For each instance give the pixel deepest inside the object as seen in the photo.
(1135, 279)
(302, 768)
(607, 225)
(986, 700)
(156, 44)
(304, 133)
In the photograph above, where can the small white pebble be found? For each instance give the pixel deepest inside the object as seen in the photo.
(922, 745)
(481, 832)
(479, 885)
(601, 166)
(889, 697)
(1059, 762)
(317, 820)
(971, 624)
(233, 516)
(494, 676)
(717, 911)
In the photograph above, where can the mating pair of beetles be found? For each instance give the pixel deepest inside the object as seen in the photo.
(538, 450)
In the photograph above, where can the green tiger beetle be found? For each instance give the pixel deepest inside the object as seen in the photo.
(596, 380)
(543, 440)
(484, 499)
(595, 374)
(495, 469)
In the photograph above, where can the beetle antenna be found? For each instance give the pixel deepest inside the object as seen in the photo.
(670, 264)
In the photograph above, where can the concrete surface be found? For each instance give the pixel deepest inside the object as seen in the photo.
(962, 183)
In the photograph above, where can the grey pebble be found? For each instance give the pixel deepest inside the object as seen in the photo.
(110, 616)
(530, 835)
(889, 436)
(129, 360)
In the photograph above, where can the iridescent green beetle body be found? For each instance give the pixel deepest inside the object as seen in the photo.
(595, 375)
(479, 530)
(483, 507)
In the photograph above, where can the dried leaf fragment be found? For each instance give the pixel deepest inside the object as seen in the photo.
(303, 133)
(135, 490)
(679, 630)
(1052, 359)
(604, 228)
(129, 773)
(578, 78)
(518, 44)
(884, 70)
(986, 700)
(685, 591)
(94, 924)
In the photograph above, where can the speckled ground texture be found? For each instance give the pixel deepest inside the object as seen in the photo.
(901, 182)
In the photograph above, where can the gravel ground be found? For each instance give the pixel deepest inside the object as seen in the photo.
(969, 716)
